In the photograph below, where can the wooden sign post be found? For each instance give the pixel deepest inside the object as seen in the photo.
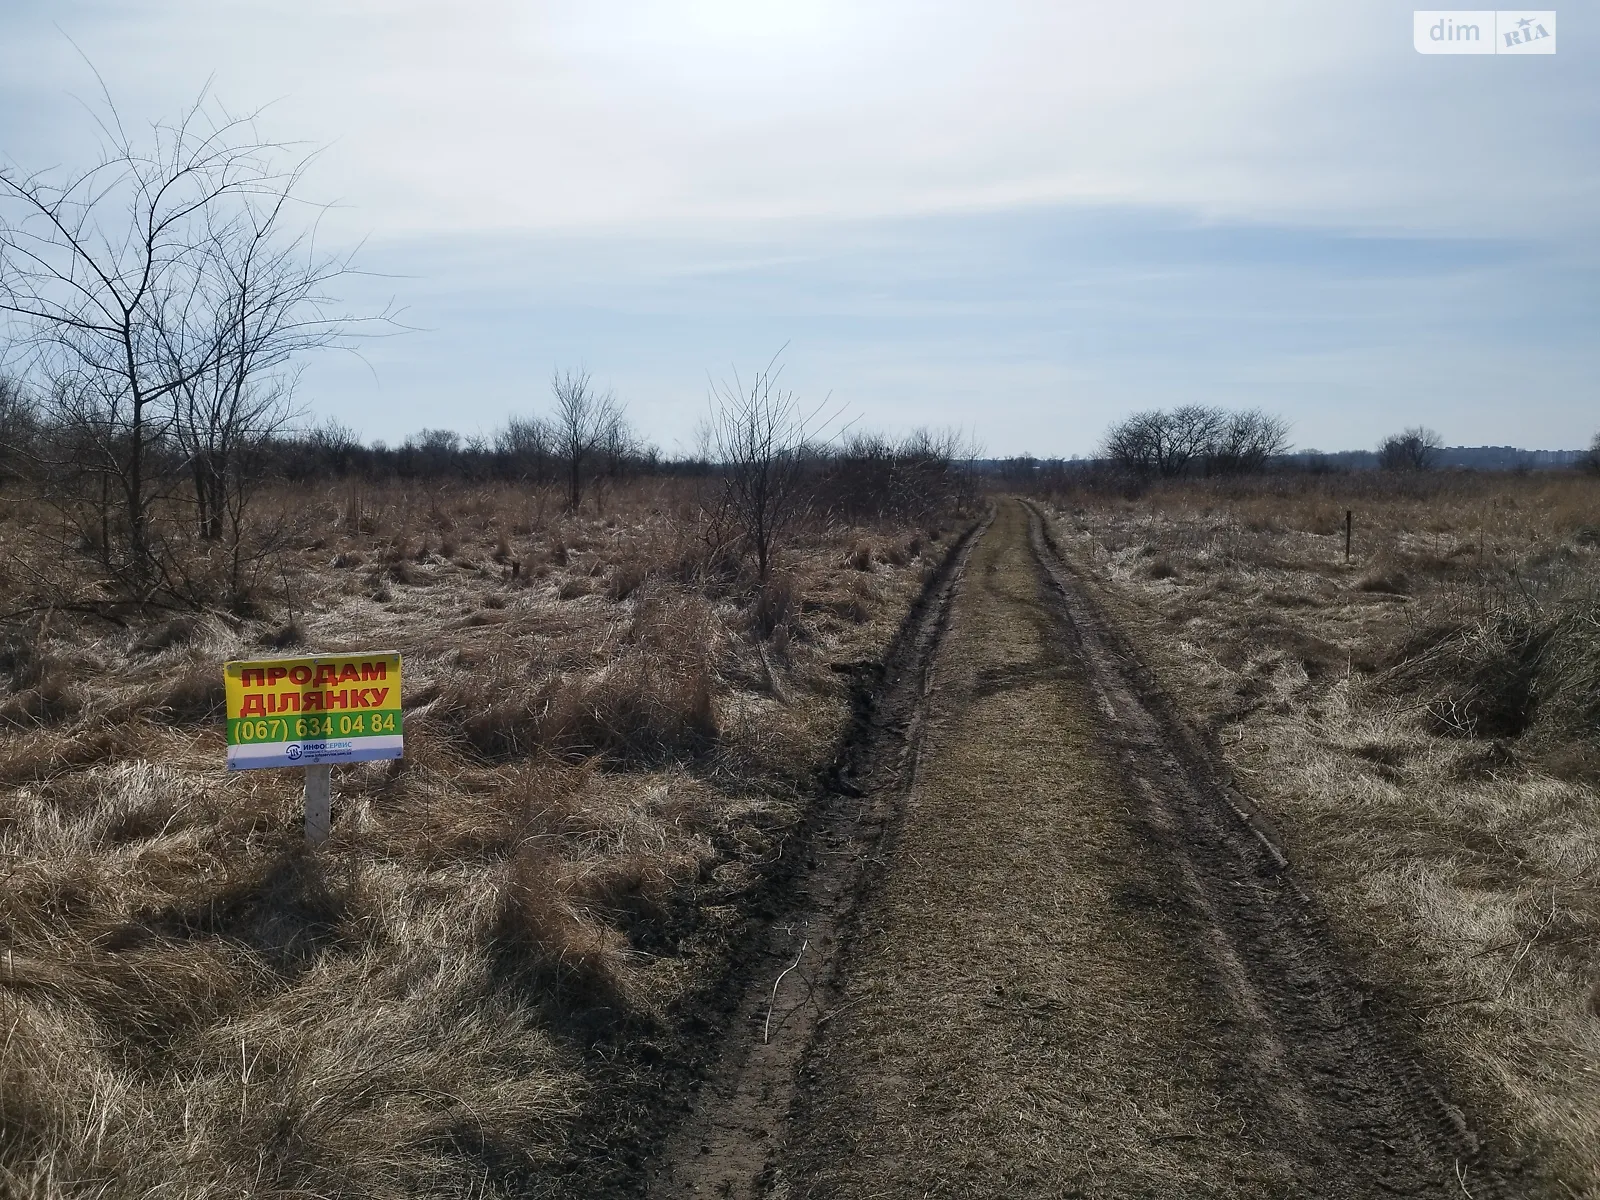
(312, 713)
(319, 804)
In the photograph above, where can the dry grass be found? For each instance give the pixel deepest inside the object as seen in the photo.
(604, 750)
(1420, 720)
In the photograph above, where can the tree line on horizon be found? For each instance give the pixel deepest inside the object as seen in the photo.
(157, 310)
(159, 305)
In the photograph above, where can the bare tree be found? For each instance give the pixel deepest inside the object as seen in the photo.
(1415, 449)
(333, 446)
(761, 438)
(1166, 444)
(1193, 431)
(583, 422)
(1134, 444)
(1195, 437)
(1150, 443)
(163, 307)
(1245, 442)
(430, 452)
(523, 447)
(259, 307)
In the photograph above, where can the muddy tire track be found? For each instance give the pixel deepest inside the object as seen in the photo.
(1366, 1114)
(725, 1145)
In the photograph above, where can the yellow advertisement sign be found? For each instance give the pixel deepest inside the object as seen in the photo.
(302, 712)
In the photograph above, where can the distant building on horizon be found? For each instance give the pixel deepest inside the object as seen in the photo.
(1473, 458)
(1468, 458)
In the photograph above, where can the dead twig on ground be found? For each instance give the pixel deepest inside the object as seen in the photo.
(766, 1029)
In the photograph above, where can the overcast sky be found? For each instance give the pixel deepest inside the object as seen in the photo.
(1023, 217)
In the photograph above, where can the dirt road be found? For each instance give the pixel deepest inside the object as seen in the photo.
(1051, 955)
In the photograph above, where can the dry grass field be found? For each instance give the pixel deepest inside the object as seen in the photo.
(1421, 724)
(609, 730)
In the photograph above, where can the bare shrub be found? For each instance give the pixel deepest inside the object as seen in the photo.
(1520, 670)
(164, 302)
(1414, 449)
(761, 439)
(872, 479)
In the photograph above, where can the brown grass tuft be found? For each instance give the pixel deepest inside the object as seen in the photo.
(577, 960)
(179, 631)
(290, 633)
(194, 696)
(626, 578)
(50, 702)
(777, 605)
(1385, 580)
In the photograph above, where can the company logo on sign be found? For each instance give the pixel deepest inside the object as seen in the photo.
(1484, 31)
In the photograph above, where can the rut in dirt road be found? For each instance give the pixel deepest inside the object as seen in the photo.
(1080, 971)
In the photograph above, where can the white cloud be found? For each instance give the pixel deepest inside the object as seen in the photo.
(699, 113)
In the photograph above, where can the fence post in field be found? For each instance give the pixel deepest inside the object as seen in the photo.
(1349, 525)
(319, 804)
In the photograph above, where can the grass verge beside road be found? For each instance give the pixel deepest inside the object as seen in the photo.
(1420, 723)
